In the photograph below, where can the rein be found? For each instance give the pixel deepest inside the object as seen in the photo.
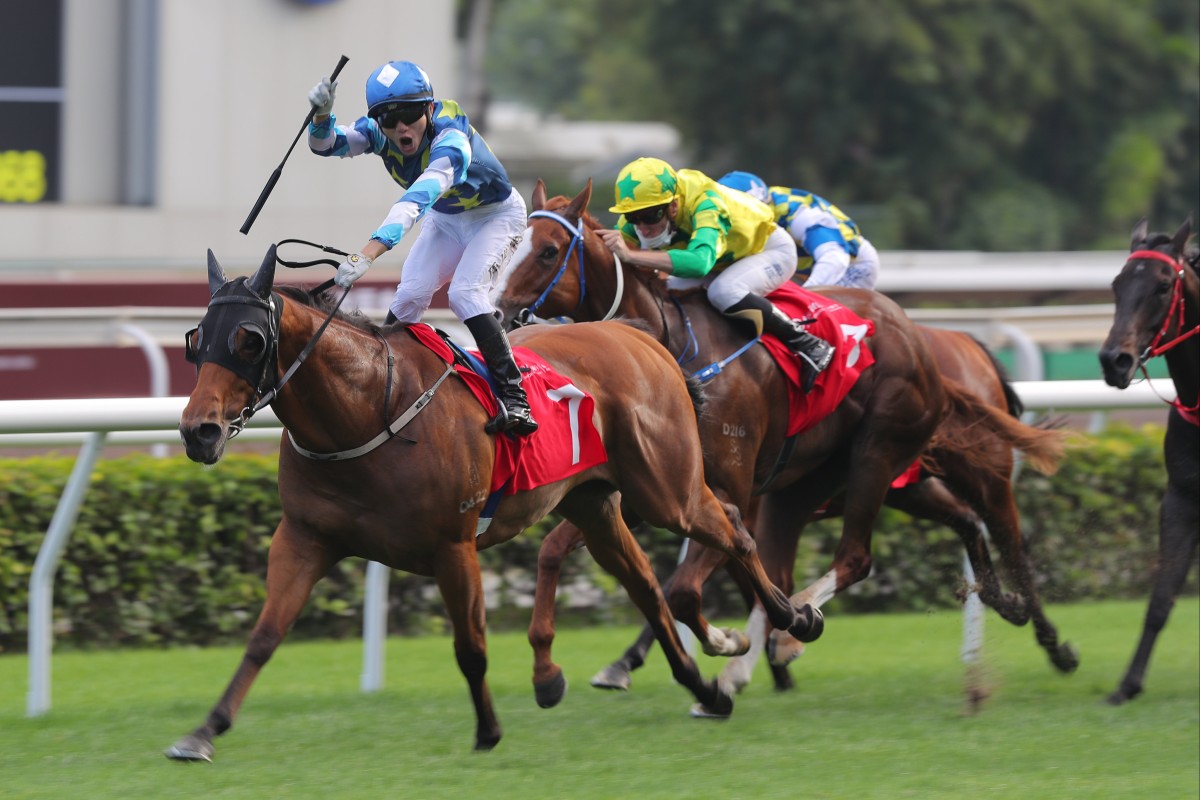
(527, 315)
(275, 306)
(1176, 309)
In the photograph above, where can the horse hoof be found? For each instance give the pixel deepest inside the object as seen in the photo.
(809, 625)
(190, 748)
(1066, 658)
(614, 677)
(550, 694)
(722, 710)
(485, 743)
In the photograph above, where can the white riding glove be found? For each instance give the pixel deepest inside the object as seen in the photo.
(353, 268)
(321, 97)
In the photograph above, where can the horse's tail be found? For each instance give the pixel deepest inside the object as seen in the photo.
(1016, 406)
(972, 427)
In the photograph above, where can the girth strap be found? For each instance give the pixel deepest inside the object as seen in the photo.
(384, 435)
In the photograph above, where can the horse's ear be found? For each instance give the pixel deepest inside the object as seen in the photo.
(539, 195)
(1139, 233)
(261, 281)
(216, 275)
(579, 205)
(1182, 235)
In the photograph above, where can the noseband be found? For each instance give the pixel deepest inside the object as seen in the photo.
(527, 315)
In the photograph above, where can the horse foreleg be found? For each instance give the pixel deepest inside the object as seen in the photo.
(684, 597)
(865, 490)
(461, 586)
(595, 508)
(295, 562)
(1179, 533)
(718, 526)
(549, 685)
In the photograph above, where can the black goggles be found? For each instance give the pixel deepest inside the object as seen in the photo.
(392, 116)
(646, 216)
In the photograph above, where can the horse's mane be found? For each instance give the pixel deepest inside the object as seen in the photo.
(326, 302)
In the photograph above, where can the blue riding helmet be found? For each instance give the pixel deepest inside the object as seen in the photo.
(747, 182)
(397, 82)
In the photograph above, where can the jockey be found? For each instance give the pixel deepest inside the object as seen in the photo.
(474, 218)
(712, 237)
(832, 249)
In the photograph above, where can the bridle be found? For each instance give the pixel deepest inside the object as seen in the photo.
(266, 385)
(1174, 312)
(528, 315)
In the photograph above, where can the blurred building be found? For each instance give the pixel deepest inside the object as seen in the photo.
(160, 122)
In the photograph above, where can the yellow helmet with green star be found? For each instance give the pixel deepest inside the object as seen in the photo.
(644, 183)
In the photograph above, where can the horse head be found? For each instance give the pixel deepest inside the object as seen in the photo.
(1152, 288)
(546, 276)
(234, 349)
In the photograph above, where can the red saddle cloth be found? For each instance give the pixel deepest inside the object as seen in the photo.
(835, 324)
(566, 441)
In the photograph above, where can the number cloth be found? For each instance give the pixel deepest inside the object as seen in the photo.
(566, 441)
(835, 324)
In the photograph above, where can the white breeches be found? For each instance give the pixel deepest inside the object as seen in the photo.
(761, 273)
(468, 250)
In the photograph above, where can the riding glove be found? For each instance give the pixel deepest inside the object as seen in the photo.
(353, 268)
(321, 97)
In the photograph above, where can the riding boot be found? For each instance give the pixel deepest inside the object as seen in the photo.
(515, 414)
(815, 354)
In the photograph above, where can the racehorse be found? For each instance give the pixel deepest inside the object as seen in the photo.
(857, 450)
(412, 496)
(1157, 312)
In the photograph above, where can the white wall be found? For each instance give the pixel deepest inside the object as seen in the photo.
(231, 96)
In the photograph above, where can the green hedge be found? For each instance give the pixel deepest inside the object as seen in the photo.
(168, 552)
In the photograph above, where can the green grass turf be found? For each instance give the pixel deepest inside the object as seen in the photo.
(877, 713)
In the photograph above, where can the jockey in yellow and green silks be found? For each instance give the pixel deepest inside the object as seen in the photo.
(699, 233)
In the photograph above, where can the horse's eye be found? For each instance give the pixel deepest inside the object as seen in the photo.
(548, 253)
(1164, 287)
(248, 343)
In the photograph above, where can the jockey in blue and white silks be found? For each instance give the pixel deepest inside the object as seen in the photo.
(832, 250)
(474, 218)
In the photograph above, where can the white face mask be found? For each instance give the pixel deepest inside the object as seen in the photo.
(661, 240)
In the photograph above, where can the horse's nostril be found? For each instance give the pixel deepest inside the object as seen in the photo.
(205, 434)
(208, 433)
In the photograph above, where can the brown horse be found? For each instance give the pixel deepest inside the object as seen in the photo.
(879, 429)
(1157, 312)
(414, 502)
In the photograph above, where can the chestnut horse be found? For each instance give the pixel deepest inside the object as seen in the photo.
(414, 502)
(1157, 312)
(880, 428)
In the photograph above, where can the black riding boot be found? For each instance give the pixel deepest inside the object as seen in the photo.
(493, 345)
(814, 353)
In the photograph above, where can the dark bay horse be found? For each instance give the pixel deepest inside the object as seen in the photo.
(880, 428)
(413, 503)
(1157, 312)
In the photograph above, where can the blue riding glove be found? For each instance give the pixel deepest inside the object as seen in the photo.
(353, 268)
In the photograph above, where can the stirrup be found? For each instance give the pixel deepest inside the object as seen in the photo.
(810, 369)
(520, 422)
